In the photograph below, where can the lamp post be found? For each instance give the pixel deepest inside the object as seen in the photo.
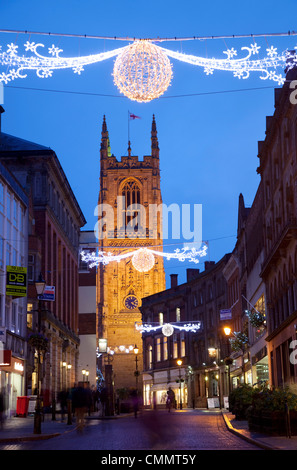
(228, 360)
(39, 285)
(179, 363)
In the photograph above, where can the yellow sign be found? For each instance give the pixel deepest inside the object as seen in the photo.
(16, 281)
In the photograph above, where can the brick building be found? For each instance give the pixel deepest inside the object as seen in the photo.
(278, 170)
(53, 251)
(200, 299)
(247, 295)
(87, 367)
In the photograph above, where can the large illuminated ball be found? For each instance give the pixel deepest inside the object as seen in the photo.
(142, 72)
(167, 329)
(143, 260)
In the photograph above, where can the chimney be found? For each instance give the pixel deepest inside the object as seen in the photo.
(192, 274)
(208, 264)
(174, 282)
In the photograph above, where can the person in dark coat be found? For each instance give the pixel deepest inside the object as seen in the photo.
(80, 404)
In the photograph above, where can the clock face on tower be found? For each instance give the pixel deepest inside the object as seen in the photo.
(131, 302)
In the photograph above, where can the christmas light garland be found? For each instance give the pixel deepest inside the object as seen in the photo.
(142, 70)
(168, 328)
(143, 258)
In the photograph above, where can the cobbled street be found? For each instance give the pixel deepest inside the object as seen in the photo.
(155, 431)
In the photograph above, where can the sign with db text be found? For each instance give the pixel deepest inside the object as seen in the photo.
(16, 281)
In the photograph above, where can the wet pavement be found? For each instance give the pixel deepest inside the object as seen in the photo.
(20, 430)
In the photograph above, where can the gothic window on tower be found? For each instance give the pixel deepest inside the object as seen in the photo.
(131, 199)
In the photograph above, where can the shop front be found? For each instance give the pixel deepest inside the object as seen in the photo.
(156, 385)
(12, 384)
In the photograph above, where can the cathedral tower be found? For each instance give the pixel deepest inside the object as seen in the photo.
(128, 188)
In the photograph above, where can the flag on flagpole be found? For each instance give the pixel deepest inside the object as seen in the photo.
(133, 116)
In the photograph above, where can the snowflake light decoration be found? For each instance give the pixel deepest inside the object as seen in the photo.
(142, 70)
(168, 328)
(143, 258)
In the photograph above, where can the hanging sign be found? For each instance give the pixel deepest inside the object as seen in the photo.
(48, 294)
(226, 314)
(16, 281)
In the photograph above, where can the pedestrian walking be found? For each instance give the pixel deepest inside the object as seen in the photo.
(135, 402)
(62, 399)
(80, 404)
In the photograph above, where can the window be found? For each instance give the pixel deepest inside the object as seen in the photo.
(30, 316)
(177, 313)
(31, 267)
(8, 254)
(1, 253)
(175, 347)
(1, 198)
(15, 213)
(14, 257)
(182, 346)
(158, 349)
(8, 205)
(161, 318)
(131, 195)
(165, 348)
(13, 317)
(150, 357)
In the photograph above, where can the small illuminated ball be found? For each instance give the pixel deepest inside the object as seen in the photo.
(142, 72)
(167, 329)
(143, 260)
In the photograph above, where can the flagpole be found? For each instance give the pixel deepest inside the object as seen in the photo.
(128, 126)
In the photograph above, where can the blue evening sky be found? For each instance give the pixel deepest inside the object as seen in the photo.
(208, 140)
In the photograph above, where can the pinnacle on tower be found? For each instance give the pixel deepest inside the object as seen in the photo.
(105, 143)
(104, 126)
(154, 138)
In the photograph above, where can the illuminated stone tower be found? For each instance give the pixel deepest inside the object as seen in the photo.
(128, 188)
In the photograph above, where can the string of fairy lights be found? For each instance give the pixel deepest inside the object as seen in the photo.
(142, 70)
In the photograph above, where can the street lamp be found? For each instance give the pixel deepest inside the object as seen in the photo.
(39, 285)
(228, 360)
(227, 330)
(179, 363)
